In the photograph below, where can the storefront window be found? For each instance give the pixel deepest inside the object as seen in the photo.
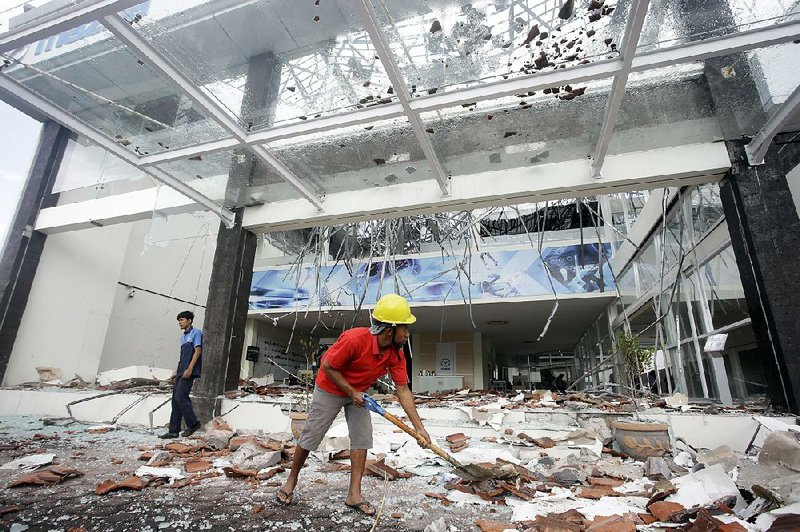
(724, 289)
(706, 209)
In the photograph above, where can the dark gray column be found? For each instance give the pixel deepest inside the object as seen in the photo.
(765, 235)
(232, 273)
(226, 314)
(24, 246)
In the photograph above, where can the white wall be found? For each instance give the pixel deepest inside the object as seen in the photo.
(171, 259)
(70, 304)
(793, 178)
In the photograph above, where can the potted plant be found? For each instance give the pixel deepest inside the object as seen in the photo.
(308, 345)
(637, 439)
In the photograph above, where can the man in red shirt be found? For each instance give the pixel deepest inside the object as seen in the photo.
(358, 358)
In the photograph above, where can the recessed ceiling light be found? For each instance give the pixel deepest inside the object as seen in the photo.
(497, 322)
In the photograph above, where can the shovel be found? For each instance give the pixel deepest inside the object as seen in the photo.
(466, 471)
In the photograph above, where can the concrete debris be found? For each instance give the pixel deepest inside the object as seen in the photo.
(704, 487)
(656, 468)
(171, 473)
(159, 456)
(781, 449)
(677, 400)
(134, 375)
(28, 463)
(787, 518)
(49, 375)
(722, 455)
(252, 456)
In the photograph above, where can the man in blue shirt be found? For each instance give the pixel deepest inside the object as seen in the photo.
(189, 367)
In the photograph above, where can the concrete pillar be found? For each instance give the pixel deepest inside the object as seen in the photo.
(232, 273)
(226, 315)
(765, 236)
(23, 245)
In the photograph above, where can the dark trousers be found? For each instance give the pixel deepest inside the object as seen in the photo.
(181, 405)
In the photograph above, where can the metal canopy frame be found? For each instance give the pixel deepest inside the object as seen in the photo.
(106, 12)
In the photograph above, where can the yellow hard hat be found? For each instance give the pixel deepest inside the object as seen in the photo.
(393, 309)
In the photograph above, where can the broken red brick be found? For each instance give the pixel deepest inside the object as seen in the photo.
(549, 523)
(647, 519)
(705, 522)
(180, 448)
(595, 492)
(441, 496)
(257, 508)
(381, 470)
(544, 443)
(130, 483)
(48, 476)
(664, 510)
(605, 481)
(266, 475)
(196, 466)
(99, 430)
(235, 472)
(146, 456)
(613, 523)
(397, 515)
(456, 447)
(341, 455)
(494, 526)
(455, 438)
(9, 509)
(44, 437)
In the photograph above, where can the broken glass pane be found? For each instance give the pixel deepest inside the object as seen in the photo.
(550, 126)
(268, 62)
(87, 165)
(356, 157)
(91, 75)
(673, 22)
(681, 111)
(234, 178)
(724, 289)
(443, 45)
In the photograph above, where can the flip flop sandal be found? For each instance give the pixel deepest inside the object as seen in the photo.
(287, 497)
(364, 507)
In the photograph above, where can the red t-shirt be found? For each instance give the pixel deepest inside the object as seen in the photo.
(357, 356)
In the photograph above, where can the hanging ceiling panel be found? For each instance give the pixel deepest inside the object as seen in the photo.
(304, 63)
(233, 178)
(519, 131)
(371, 155)
(673, 22)
(450, 44)
(89, 74)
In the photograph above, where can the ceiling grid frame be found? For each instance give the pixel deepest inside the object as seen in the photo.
(105, 11)
(369, 18)
(630, 40)
(685, 53)
(109, 144)
(123, 31)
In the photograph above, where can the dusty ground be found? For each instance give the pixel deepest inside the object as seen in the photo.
(217, 503)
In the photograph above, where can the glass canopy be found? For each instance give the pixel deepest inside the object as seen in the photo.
(243, 102)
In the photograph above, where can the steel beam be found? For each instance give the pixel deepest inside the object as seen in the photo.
(381, 44)
(108, 144)
(630, 41)
(757, 148)
(123, 31)
(61, 20)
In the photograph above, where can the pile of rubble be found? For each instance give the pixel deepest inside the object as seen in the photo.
(559, 478)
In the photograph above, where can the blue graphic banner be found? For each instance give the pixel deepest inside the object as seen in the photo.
(489, 275)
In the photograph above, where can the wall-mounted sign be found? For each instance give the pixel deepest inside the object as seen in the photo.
(252, 353)
(446, 359)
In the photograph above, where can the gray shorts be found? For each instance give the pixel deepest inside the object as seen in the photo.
(324, 409)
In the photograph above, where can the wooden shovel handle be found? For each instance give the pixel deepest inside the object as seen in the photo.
(414, 434)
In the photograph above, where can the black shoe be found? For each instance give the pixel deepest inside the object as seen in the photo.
(169, 435)
(190, 430)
